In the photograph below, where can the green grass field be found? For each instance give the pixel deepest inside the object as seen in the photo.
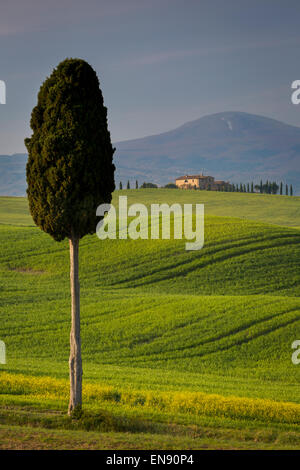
(181, 349)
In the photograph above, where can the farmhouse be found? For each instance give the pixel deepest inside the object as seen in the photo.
(201, 182)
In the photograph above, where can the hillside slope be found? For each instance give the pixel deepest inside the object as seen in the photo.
(278, 210)
(236, 146)
(231, 145)
(220, 320)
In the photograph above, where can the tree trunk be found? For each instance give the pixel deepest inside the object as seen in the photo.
(75, 363)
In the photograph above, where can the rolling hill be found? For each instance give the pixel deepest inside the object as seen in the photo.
(173, 342)
(236, 146)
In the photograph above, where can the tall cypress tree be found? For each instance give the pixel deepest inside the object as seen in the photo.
(291, 190)
(281, 188)
(70, 172)
(275, 187)
(128, 184)
(136, 185)
(120, 185)
(286, 190)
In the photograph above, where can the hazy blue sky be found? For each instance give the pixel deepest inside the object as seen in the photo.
(160, 62)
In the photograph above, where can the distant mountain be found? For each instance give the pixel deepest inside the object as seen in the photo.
(12, 174)
(234, 146)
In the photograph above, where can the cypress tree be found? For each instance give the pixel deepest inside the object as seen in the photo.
(120, 185)
(261, 187)
(275, 187)
(267, 187)
(252, 187)
(136, 185)
(286, 190)
(281, 188)
(291, 190)
(70, 172)
(128, 184)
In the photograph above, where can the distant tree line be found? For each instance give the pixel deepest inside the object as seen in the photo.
(128, 185)
(147, 185)
(269, 187)
(144, 185)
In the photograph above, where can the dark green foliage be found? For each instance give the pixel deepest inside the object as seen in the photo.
(149, 185)
(120, 186)
(275, 188)
(70, 169)
(171, 186)
(291, 190)
(267, 188)
(136, 184)
(128, 184)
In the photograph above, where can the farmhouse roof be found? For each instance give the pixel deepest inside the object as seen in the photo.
(193, 177)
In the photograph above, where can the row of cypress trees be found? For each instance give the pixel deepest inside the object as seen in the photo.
(144, 185)
(128, 185)
(264, 188)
